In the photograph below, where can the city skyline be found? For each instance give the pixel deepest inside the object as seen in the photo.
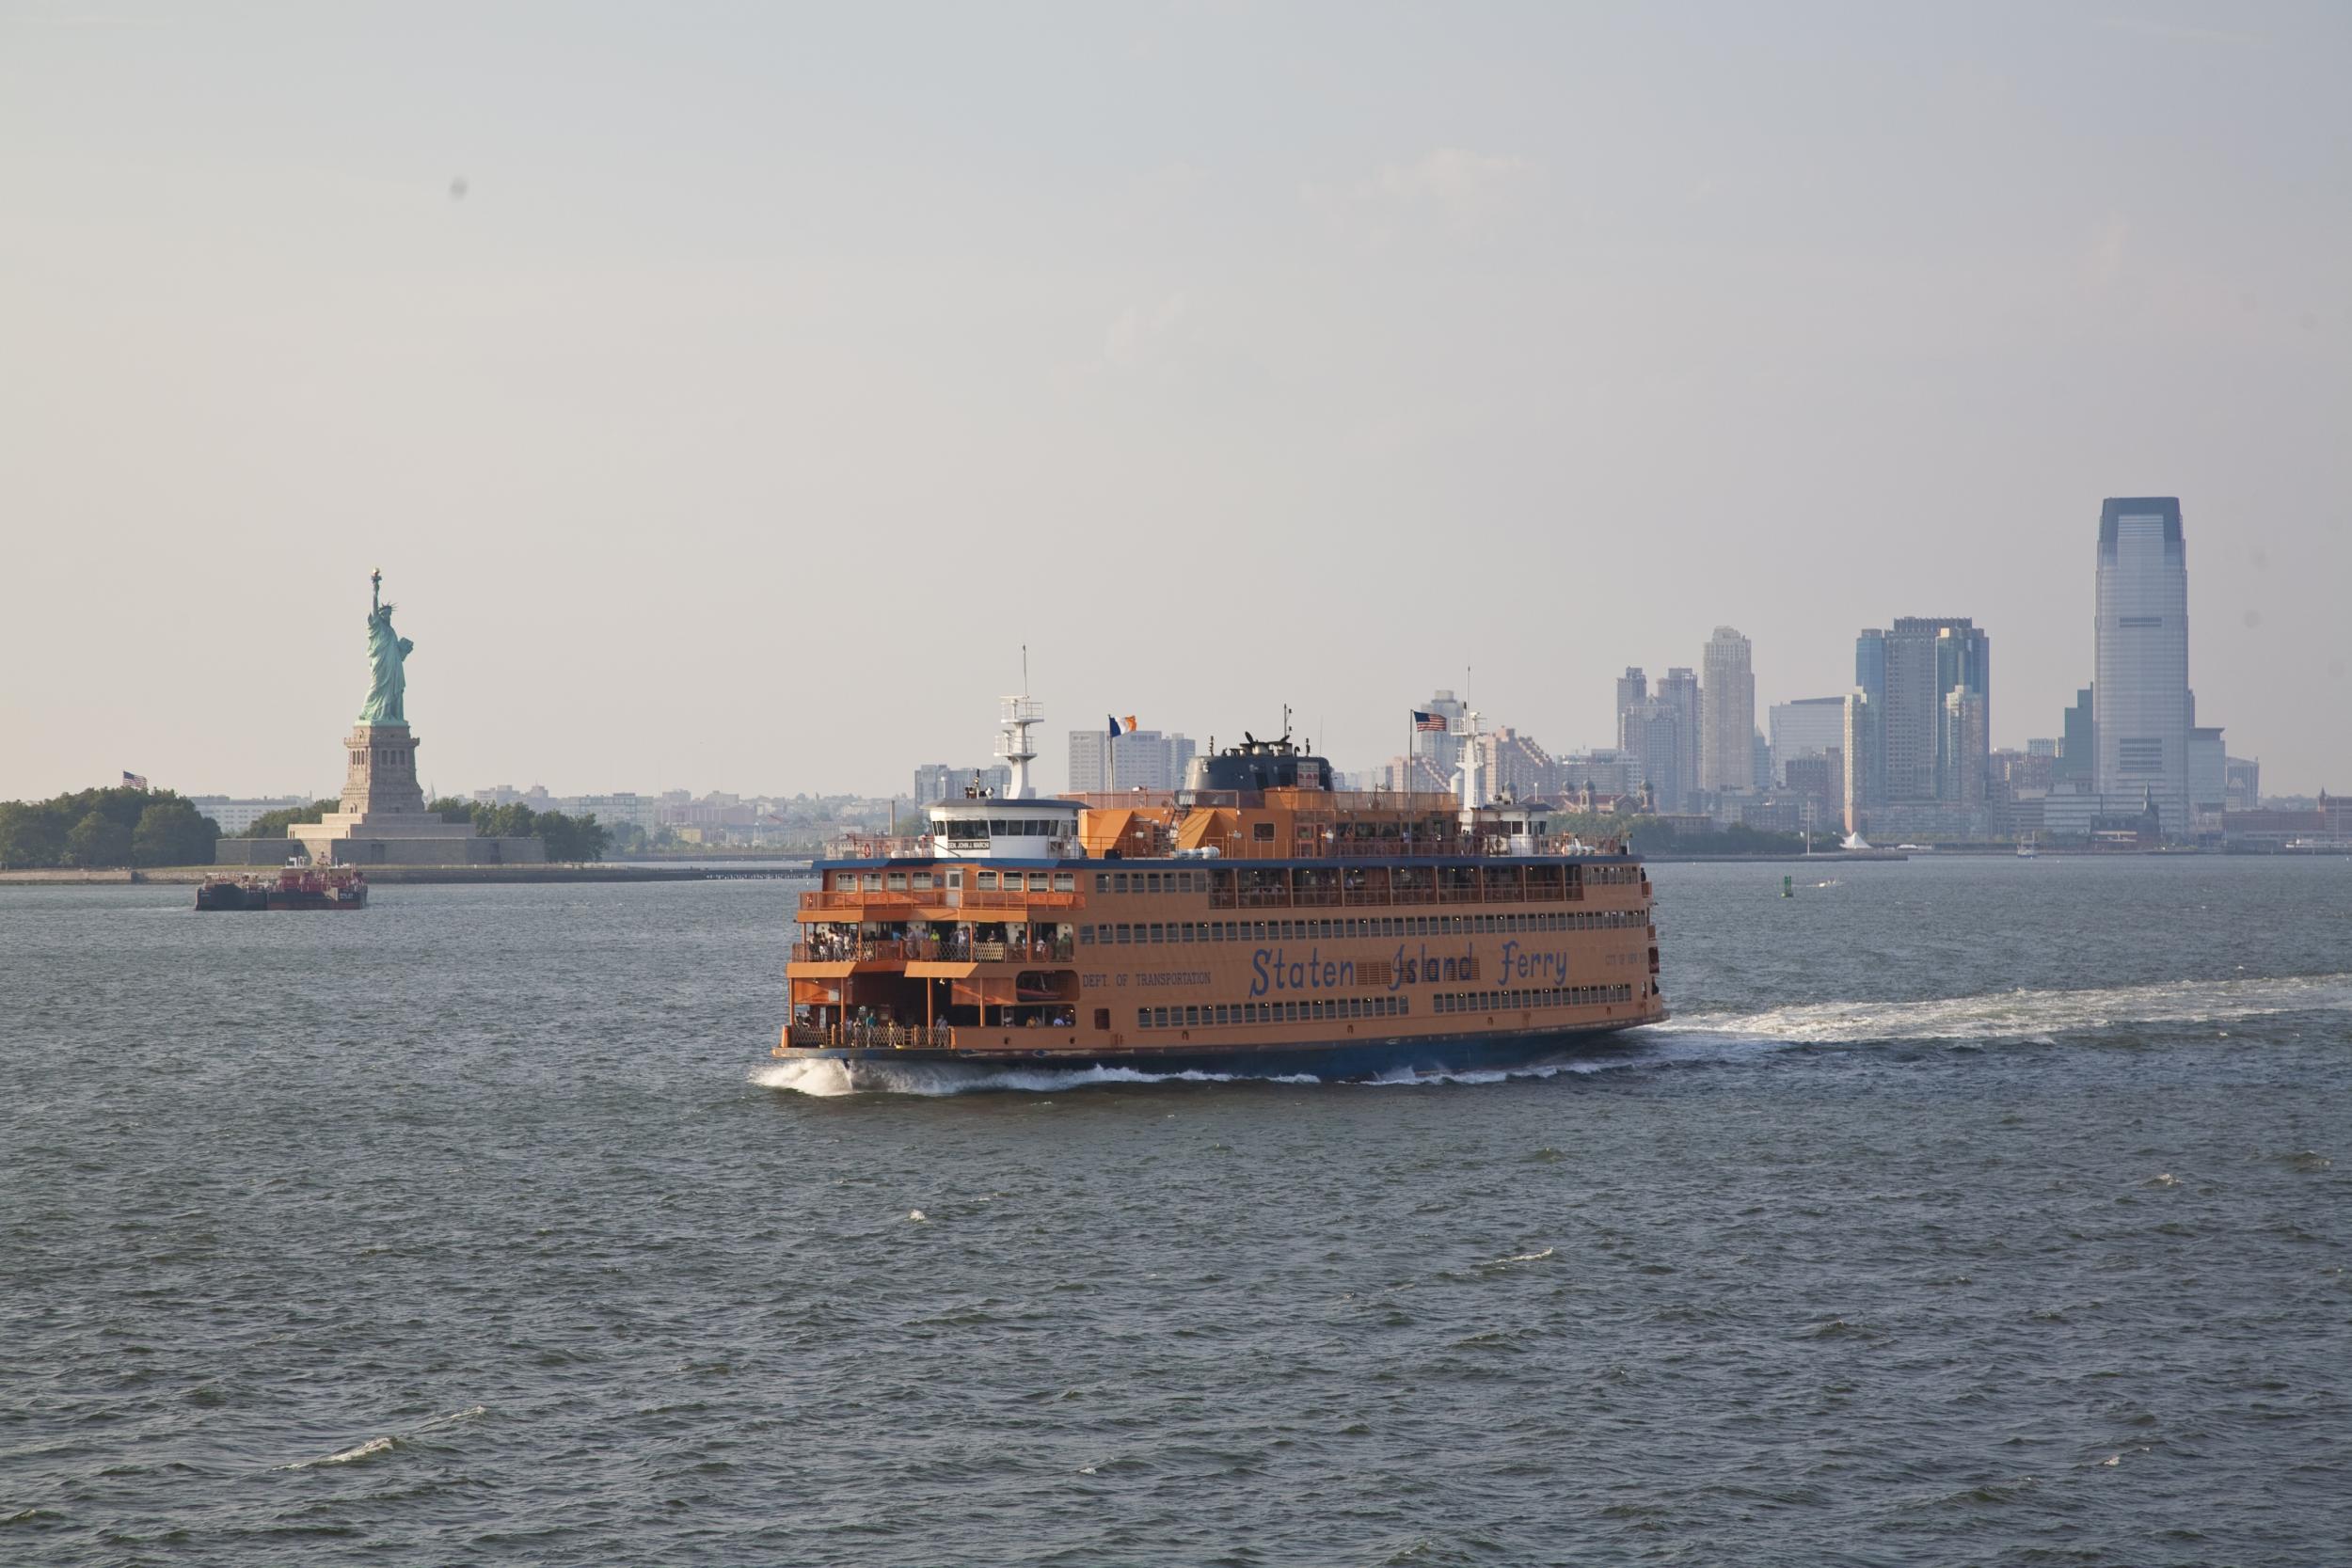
(1593, 293)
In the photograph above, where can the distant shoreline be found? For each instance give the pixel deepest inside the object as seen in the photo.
(388, 876)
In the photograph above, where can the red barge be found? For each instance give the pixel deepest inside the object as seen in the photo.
(339, 887)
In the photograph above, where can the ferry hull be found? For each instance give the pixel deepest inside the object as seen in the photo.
(1331, 1061)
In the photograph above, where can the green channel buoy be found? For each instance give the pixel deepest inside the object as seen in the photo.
(1789, 887)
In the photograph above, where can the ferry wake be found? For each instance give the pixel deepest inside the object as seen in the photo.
(1255, 922)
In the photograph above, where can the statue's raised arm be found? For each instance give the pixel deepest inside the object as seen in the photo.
(388, 651)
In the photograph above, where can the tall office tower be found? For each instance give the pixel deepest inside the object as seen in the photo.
(1143, 759)
(1679, 689)
(1654, 739)
(2242, 789)
(1869, 664)
(1865, 783)
(2078, 750)
(1963, 749)
(1808, 727)
(1727, 714)
(1919, 665)
(1964, 662)
(1441, 748)
(1632, 688)
(2141, 676)
(1911, 713)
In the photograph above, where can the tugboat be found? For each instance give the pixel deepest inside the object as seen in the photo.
(340, 887)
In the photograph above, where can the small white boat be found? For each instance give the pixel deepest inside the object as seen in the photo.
(2025, 850)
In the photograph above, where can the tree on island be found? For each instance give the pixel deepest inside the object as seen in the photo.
(567, 838)
(100, 828)
(273, 824)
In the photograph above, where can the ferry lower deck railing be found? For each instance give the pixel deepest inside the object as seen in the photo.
(869, 1036)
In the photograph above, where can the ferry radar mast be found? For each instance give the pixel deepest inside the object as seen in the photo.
(1473, 778)
(1013, 745)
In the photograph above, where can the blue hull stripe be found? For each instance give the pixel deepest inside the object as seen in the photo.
(1354, 1058)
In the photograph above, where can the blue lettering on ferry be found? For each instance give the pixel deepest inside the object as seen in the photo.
(1273, 970)
(1270, 969)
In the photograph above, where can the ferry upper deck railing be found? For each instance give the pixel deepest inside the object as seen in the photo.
(929, 950)
(1326, 840)
(902, 898)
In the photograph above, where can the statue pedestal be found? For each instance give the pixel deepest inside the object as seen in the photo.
(380, 771)
(384, 821)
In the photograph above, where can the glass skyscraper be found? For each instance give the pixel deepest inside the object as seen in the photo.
(2140, 686)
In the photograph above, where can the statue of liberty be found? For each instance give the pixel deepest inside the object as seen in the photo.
(386, 652)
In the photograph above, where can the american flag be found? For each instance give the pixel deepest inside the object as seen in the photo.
(134, 780)
(1428, 720)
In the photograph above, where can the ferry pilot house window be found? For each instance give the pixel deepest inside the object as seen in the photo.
(988, 878)
(1261, 830)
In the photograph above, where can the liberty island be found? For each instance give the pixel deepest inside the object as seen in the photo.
(383, 820)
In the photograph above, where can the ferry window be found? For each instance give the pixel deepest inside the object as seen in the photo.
(988, 878)
(1159, 932)
(1185, 928)
(1143, 1018)
(1261, 830)
(1065, 881)
(1404, 1004)
(1101, 882)
(1152, 883)
(1086, 936)
(955, 878)
(923, 879)
(1123, 938)
(897, 881)
(1159, 1017)
(1119, 882)
(1192, 1018)
(873, 881)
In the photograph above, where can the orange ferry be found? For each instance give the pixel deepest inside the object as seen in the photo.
(1255, 922)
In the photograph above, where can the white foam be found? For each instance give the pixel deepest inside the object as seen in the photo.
(2016, 1015)
(374, 1446)
(471, 1413)
(829, 1078)
(1516, 1258)
(2028, 1014)
(348, 1456)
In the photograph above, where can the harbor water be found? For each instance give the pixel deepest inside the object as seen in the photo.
(1986, 1211)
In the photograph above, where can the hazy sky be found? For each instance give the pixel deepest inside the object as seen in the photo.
(779, 371)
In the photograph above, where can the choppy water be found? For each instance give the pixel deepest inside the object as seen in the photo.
(1985, 1212)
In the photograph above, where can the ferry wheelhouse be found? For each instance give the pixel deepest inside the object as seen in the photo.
(1257, 920)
